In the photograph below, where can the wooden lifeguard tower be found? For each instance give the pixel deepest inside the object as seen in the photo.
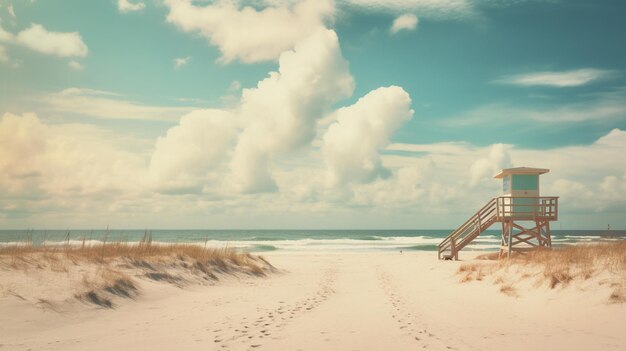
(525, 216)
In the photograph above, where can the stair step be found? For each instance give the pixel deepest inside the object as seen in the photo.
(467, 232)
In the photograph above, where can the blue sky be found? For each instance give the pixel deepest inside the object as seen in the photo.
(387, 114)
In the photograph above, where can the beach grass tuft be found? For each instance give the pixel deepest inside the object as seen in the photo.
(102, 273)
(555, 268)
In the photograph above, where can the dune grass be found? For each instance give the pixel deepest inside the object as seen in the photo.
(557, 267)
(102, 273)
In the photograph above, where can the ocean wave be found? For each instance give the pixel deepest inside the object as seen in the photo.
(427, 247)
(364, 243)
(262, 248)
(486, 240)
(476, 247)
(583, 236)
(370, 238)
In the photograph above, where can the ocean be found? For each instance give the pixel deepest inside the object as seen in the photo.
(295, 240)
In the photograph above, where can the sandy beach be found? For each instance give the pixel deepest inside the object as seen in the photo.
(331, 301)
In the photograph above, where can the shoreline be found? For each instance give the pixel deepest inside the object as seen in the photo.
(483, 243)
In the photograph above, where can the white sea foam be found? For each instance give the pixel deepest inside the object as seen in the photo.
(580, 237)
(372, 243)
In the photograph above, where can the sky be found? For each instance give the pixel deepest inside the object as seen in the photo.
(311, 114)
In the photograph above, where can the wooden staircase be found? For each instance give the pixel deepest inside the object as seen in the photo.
(463, 235)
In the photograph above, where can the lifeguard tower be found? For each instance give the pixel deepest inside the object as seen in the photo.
(525, 216)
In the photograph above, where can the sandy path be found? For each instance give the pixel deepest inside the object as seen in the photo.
(368, 301)
(366, 312)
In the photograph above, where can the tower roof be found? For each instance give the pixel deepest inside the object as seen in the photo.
(520, 170)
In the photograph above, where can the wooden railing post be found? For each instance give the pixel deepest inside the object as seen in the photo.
(453, 252)
(497, 200)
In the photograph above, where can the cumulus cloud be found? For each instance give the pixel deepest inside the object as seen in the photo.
(351, 144)
(181, 61)
(20, 150)
(406, 22)
(127, 6)
(190, 152)
(487, 167)
(280, 113)
(563, 79)
(406, 188)
(613, 188)
(571, 192)
(249, 34)
(276, 118)
(64, 44)
(38, 160)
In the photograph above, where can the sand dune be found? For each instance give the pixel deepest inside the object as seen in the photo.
(339, 301)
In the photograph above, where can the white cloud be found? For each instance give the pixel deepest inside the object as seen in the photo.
(64, 44)
(564, 79)
(404, 22)
(38, 38)
(613, 188)
(606, 109)
(485, 168)
(351, 144)
(20, 146)
(181, 61)
(280, 114)
(127, 6)
(571, 191)
(248, 34)
(75, 65)
(102, 104)
(186, 157)
(604, 106)
(404, 189)
(39, 161)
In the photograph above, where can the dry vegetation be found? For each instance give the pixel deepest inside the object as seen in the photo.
(603, 264)
(102, 274)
